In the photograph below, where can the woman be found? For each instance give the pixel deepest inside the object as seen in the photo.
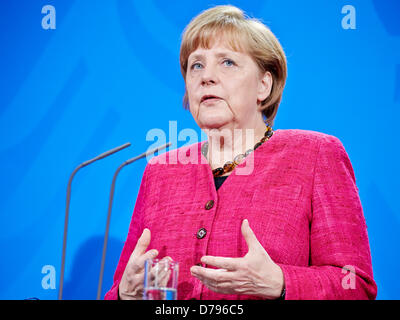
(281, 219)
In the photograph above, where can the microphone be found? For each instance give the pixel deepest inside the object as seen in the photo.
(83, 164)
(127, 162)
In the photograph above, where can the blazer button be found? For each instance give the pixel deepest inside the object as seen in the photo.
(209, 204)
(201, 233)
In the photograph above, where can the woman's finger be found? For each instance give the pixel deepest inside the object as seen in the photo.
(222, 262)
(151, 254)
(142, 244)
(249, 236)
(216, 284)
(139, 254)
(218, 275)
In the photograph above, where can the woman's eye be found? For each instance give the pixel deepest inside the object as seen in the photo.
(196, 66)
(228, 62)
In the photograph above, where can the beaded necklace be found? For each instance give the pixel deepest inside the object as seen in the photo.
(230, 165)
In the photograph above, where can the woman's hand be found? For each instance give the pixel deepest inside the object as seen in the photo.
(131, 285)
(254, 274)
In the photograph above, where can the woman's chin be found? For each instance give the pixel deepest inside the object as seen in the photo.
(213, 124)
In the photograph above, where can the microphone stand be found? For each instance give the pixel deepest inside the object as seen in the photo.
(84, 164)
(127, 162)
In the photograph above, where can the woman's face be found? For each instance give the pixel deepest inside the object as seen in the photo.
(225, 88)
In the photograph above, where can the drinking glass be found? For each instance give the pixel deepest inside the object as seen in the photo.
(160, 279)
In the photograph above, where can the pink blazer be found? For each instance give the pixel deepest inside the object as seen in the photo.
(298, 192)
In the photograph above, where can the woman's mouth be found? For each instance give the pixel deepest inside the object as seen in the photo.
(209, 99)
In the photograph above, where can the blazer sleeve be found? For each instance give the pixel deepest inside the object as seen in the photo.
(340, 261)
(135, 231)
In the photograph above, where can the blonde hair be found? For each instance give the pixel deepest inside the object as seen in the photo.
(242, 34)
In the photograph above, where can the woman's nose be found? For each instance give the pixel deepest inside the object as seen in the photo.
(209, 77)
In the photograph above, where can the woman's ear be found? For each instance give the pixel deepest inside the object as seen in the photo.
(264, 86)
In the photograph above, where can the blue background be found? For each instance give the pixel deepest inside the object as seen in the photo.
(109, 73)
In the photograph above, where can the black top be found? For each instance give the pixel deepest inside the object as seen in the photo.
(219, 181)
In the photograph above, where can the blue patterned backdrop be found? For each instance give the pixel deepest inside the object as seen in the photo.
(109, 72)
